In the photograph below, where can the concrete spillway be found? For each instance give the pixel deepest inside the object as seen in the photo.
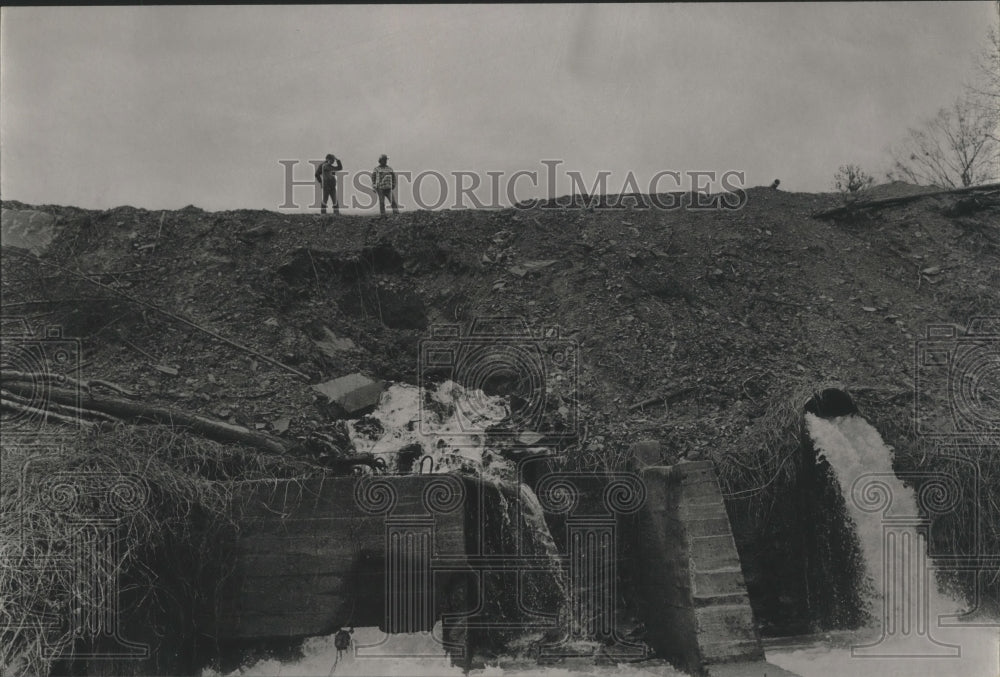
(473, 566)
(309, 553)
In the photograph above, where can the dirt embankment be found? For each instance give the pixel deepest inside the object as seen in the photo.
(705, 329)
(713, 312)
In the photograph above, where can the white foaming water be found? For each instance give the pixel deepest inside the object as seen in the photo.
(850, 444)
(872, 491)
(916, 633)
(320, 660)
(448, 429)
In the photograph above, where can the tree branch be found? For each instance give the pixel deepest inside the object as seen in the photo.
(127, 410)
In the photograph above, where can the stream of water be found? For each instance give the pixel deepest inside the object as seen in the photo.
(918, 631)
(320, 660)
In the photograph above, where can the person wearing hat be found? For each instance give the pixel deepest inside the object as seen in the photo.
(384, 183)
(326, 174)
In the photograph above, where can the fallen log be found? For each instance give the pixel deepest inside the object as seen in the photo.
(130, 411)
(29, 377)
(903, 199)
(72, 413)
(19, 407)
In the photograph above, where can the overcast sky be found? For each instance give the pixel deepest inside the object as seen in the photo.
(161, 107)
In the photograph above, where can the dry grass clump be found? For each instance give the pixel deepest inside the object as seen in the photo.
(160, 493)
(799, 553)
(767, 464)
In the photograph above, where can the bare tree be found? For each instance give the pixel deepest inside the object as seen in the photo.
(956, 148)
(986, 90)
(851, 179)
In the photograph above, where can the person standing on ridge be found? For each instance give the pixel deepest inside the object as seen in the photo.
(384, 183)
(326, 174)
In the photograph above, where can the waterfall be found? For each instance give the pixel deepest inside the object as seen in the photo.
(534, 518)
(913, 640)
(529, 610)
(916, 638)
(888, 524)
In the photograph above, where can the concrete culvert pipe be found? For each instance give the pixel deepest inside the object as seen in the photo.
(830, 403)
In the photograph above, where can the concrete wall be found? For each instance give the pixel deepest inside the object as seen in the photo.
(314, 555)
(697, 611)
(403, 552)
(665, 579)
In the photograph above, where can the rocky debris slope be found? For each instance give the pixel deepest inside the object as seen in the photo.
(700, 317)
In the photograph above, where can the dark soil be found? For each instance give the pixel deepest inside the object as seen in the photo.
(741, 307)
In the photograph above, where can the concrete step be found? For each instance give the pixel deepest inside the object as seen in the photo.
(697, 470)
(748, 669)
(728, 652)
(708, 526)
(720, 570)
(725, 622)
(724, 581)
(690, 467)
(757, 668)
(720, 599)
(702, 490)
(702, 510)
(713, 552)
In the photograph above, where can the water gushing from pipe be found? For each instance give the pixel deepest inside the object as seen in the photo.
(892, 533)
